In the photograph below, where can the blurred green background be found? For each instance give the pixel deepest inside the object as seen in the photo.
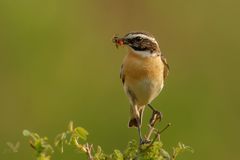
(57, 63)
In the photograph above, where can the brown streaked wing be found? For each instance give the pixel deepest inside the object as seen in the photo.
(122, 76)
(166, 67)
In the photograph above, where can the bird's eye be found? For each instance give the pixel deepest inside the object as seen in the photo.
(138, 39)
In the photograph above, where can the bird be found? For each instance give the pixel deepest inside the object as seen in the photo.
(143, 74)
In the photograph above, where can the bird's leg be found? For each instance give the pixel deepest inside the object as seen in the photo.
(156, 116)
(137, 120)
(140, 135)
(141, 140)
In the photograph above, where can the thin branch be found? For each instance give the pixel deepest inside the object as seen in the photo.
(158, 134)
(89, 151)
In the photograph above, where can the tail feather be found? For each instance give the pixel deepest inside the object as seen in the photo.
(133, 122)
(136, 121)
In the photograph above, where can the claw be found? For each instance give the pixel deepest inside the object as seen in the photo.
(145, 141)
(156, 116)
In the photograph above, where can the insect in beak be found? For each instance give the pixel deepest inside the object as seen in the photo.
(118, 41)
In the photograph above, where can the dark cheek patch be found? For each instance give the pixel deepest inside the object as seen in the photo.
(144, 45)
(139, 48)
(138, 45)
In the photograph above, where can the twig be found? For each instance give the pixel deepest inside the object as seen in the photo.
(158, 134)
(85, 148)
(150, 131)
(89, 151)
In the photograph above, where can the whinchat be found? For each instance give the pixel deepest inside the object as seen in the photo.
(143, 73)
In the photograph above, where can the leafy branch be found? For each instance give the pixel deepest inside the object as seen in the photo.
(40, 145)
(77, 138)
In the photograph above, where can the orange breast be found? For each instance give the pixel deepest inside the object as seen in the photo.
(144, 76)
(137, 67)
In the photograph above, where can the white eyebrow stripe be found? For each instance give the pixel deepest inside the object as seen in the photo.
(143, 36)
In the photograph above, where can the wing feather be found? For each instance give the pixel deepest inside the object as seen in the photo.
(122, 76)
(166, 67)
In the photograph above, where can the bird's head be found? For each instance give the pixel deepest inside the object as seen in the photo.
(140, 43)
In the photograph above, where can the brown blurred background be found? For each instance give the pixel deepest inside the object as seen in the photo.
(57, 63)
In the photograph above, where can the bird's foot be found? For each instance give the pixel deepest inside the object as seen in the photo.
(144, 141)
(156, 116)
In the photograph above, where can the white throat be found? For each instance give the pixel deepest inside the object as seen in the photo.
(145, 53)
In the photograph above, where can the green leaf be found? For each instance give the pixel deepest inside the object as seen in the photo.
(81, 133)
(43, 157)
(165, 154)
(100, 155)
(180, 149)
(117, 155)
(26, 133)
(131, 150)
(70, 126)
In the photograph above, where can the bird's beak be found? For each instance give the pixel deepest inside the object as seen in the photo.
(119, 41)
